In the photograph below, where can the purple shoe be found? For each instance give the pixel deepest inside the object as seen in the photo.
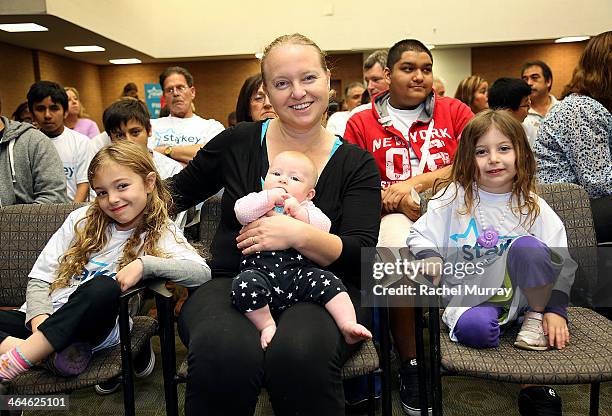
(70, 361)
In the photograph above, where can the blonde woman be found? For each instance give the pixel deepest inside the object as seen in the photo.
(301, 366)
(77, 119)
(473, 91)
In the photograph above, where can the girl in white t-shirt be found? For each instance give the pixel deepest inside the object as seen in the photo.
(124, 236)
(499, 248)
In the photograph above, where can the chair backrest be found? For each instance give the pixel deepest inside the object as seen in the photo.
(572, 205)
(24, 232)
(209, 221)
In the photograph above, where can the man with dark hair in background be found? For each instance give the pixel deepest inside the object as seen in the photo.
(183, 133)
(31, 171)
(539, 78)
(513, 94)
(413, 134)
(48, 103)
(352, 98)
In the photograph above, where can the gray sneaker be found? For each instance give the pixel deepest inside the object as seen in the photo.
(531, 336)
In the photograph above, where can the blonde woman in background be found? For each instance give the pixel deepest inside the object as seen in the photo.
(473, 91)
(77, 119)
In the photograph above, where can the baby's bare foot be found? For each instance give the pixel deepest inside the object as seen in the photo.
(266, 335)
(354, 332)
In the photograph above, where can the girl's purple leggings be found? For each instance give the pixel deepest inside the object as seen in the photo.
(529, 266)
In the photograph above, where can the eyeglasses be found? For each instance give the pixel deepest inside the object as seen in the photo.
(259, 98)
(179, 88)
(526, 105)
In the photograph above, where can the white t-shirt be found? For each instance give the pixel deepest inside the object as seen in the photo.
(76, 152)
(337, 122)
(99, 141)
(453, 235)
(174, 131)
(402, 121)
(531, 133)
(166, 167)
(534, 119)
(102, 263)
(362, 107)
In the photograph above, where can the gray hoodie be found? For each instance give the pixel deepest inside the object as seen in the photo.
(31, 171)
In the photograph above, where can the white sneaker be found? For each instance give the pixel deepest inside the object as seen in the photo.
(531, 336)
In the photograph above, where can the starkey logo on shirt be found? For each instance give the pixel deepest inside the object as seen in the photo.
(95, 268)
(171, 136)
(476, 251)
(69, 171)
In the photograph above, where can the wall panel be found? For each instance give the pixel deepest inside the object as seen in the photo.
(217, 82)
(505, 61)
(80, 75)
(16, 76)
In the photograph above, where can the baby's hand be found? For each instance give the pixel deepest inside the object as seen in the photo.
(278, 196)
(555, 327)
(130, 274)
(292, 207)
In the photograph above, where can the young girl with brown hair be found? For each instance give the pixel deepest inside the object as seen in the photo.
(487, 215)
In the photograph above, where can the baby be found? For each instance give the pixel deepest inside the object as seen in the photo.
(273, 281)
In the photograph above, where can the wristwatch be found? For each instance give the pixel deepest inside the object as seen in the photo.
(168, 151)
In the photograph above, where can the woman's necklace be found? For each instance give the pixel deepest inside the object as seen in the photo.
(489, 236)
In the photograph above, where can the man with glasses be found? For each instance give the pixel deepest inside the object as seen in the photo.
(512, 94)
(183, 133)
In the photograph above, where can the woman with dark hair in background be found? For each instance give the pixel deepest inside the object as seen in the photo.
(22, 113)
(253, 103)
(574, 142)
(473, 92)
(130, 90)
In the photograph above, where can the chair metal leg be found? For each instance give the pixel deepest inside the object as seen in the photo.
(594, 400)
(126, 359)
(421, 367)
(435, 360)
(385, 355)
(372, 391)
(168, 353)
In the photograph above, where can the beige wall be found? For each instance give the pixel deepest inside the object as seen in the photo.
(345, 68)
(16, 76)
(80, 75)
(452, 65)
(17, 73)
(222, 28)
(218, 82)
(506, 61)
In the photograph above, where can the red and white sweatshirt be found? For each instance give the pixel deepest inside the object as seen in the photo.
(373, 130)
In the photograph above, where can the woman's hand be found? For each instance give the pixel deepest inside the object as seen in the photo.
(272, 232)
(555, 326)
(130, 274)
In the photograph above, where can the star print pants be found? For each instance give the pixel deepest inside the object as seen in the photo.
(280, 279)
